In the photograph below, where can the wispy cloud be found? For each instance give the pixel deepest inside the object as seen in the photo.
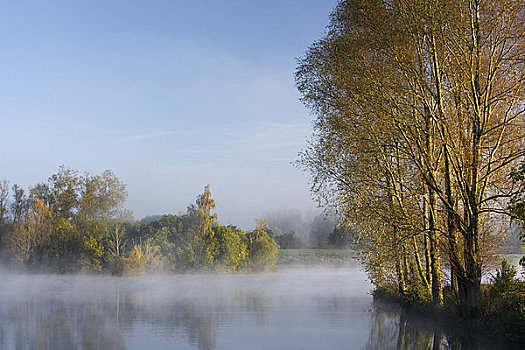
(240, 142)
(148, 135)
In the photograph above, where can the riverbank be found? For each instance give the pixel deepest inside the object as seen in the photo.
(500, 324)
(418, 331)
(333, 257)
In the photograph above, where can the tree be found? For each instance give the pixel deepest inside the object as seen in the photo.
(231, 250)
(286, 240)
(40, 191)
(28, 237)
(100, 197)
(419, 109)
(286, 221)
(64, 188)
(62, 248)
(341, 237)
(4, 201)
(166, 233)
(18, 206)
(320, 228)
(201, 221)
(262, 251)
(4, 209)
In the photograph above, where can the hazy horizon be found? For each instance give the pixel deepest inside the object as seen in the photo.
(171, 96)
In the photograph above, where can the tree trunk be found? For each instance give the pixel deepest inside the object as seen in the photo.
(451, 205)
(401, 277)
(419, 266)
(435, 257)
(469, 295)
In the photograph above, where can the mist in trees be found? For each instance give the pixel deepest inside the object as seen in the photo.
(419, 111)
(76, 222)
(292, 229)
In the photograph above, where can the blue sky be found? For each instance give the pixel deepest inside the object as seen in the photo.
(170, 95)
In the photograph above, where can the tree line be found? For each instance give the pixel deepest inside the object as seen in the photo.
(76, 222)
(419, 110)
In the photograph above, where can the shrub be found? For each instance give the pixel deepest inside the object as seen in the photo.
(262, 249)
(503, 305)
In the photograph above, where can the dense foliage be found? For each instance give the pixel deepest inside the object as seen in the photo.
(419, 121)
(503, 305)
(76, 222)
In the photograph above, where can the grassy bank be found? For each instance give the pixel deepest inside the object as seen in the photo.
(316, 256)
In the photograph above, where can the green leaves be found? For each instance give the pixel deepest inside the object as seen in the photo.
(75, 222)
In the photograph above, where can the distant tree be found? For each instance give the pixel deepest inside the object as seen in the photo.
(231, 249)
(63, 247)
(64, 187)
(93, 251)
(116, 240)
(76, 222)
(167, 234)
(18, 206)
(174, 237)
(286, 221)
(288, 240)
(4, 201)
(82, 207)
(30, 234)
(4, 209)
(41, 191)
(99, 217)
(320, 229)
(150, 218)
(100, 197)
(142, 258)
(262, 249)
(200, 228)
(341, 237)
(135, 263)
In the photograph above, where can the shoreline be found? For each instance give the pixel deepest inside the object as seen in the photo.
(472, 332)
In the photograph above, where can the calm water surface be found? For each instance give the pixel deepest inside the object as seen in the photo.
(315, 308)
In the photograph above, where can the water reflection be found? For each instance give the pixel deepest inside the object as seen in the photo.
(300, 309)
(54, 324)
(394, 329)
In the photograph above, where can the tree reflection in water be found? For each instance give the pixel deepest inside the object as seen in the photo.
(54, 324)
(392, 328)
(108, 319)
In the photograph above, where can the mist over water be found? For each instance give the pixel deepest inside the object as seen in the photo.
(299, 308)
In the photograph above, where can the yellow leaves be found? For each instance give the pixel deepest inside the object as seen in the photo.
(92, 244)
(93, 253)
(141, 258)
(136, 253)
(262, 225)
(63, 226)
(243, 253)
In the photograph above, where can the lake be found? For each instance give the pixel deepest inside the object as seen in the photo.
(294, 308)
